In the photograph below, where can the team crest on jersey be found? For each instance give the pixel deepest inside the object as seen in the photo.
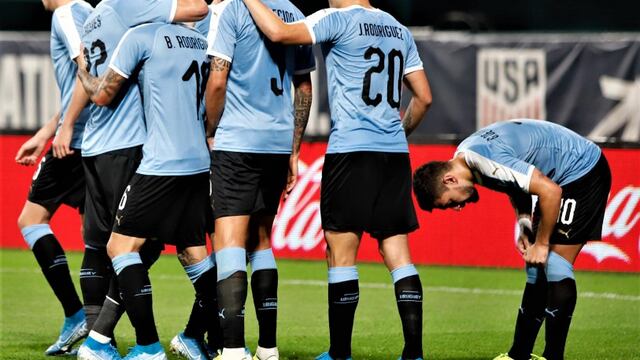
(511, 83)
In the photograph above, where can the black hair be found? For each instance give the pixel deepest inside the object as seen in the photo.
(427, 183)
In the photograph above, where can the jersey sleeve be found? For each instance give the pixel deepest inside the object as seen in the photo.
(326, 25)
(67, 27)
(413, 63)
(136, 12)
(502, 170)
(223, 30)
(134, 47)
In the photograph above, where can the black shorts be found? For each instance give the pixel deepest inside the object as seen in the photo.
(172, 209)
(247, 183)
(367, 191)
(58, 181)
(107, 176)
(582, 208)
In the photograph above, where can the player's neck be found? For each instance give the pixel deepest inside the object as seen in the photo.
(460, 168)
(58, 3)
(346, 3)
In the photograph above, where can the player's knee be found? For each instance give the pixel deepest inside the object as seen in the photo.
(192, 255)
(196, 270)
(558, 268)
(230, 260)
(32, 214)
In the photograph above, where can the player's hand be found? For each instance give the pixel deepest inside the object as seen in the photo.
(536, 254)
(292, 179)
(210, 142)
(30, 151)
(81, 59)
(62, 142)
(525, 236)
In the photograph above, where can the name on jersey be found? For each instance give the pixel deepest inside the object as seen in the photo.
(186, 42)
(285, 15)
(380, 31)
(89, 26)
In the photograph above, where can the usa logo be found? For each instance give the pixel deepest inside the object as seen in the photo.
(511, 83)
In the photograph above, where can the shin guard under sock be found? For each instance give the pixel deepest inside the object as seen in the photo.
(344, 295)
(530, 315)
(408, 290)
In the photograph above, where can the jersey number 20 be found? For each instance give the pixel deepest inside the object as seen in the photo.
(394, 58)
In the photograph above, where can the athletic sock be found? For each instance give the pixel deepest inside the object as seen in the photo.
(343, 301)
(561, 301)
(530, 314)
(95, 276)
(232, 294)
(135, 288)
(203, 278)
(110, 313)
(264, 287)
(53, 262)
(408, 289)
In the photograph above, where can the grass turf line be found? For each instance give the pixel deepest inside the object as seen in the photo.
(469, 312)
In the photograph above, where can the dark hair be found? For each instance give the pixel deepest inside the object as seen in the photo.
(427, 183)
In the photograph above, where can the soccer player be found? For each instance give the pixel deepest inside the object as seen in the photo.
(366, 182)
(255, 158)
(571, 178)
(56, 181)
(111, 151)
(167, 198)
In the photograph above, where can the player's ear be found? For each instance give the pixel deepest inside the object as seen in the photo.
(449, 179)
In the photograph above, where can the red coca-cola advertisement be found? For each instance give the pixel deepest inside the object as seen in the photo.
(483, 234)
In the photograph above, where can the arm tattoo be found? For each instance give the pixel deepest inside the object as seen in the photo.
(89, 82)
(110, 83)
(302, 108)
(219, 64)
(407, 121)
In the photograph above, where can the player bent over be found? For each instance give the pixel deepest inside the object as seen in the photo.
(56, 181)
(167, 198)
(256, 144)
(572, 180)
(366, 179)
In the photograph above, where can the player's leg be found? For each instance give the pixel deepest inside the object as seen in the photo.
(561, 298)
(408, 290)
(264, 285)
(344, 292)
(530, 314)
(200, 268)
(229, 244)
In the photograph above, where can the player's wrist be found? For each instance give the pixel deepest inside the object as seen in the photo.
(525, 223)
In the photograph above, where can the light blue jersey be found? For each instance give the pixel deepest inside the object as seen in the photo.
(173, 75)
(66, 27)
(119, 125)
(258, 113)
(367, 54)
(504, 155)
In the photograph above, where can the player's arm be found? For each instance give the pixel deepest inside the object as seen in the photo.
(420, 101)
(62, 143)
(301, 109)
(215, 93)
(31, 149)
(549, 196)
(101, 90)
(190, 10)
(275, 29)
(522, 203)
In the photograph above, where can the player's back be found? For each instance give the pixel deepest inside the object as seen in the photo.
(121, 124)
(66, 27)
(258, 114)
(367, 53)
(556, 151)
(172, 78)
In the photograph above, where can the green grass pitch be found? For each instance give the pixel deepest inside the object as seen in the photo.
(469, 313)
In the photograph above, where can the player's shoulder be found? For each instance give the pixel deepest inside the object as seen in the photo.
(72, 9)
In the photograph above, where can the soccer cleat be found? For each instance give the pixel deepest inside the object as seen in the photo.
(266, 354)
(537, 357)
(326, 356)
(232, 355)
(188, 348)
(147, 352)
(94, 350)
(504, 356)
(215, 354)
(400, 358)
(73, 330)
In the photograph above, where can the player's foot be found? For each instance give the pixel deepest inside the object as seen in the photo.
(504, 356)
(147, 352)
(537, 357)
(266, 354)
(94, 350)
(188, 348)
(215, 354)
(326, 356)
(73, 330)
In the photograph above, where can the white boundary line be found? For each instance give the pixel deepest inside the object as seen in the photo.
(373, 285)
